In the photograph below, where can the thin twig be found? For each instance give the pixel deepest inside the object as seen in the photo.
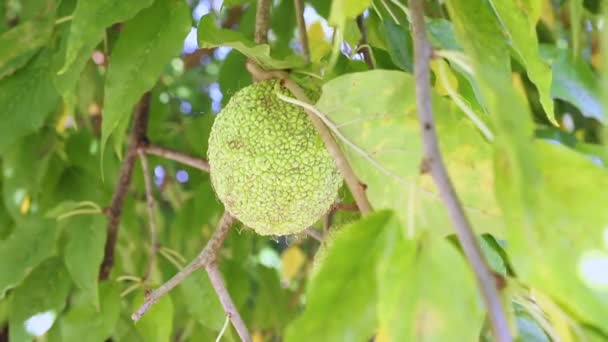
(262, 21)
(433, 163)
(151, 215)
(313, 233)
(346, 207)
(138, 134)
(299, 8)
(220, 288)
(197, 163)
(208, 259)
(356, 187)
(223, 331)
(363, 43)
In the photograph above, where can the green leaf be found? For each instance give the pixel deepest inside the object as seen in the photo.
(575, 82)
(375, 112)
(83, 322)
(23, 183)
(201, 301)
(90, 19)
(322, 7)
(83, 252)
(528, 329)
(83, 150)
(517, 173)
(441, 34)
(19, 44)
(144, 47)
(233, 75)
(522, 36)
(32, 241)
(399, 45)
(345, 285)
(24, 117)
(211, 36)
(36, 10)
(576, 14)
(283, 23)
(272, 303)
(230, 3)
(424, 288)
(569, 264)
(343, 10)
(41, 297)
(543, 189)
(156, 325)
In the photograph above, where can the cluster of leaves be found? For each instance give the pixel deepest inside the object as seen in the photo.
(520, 117)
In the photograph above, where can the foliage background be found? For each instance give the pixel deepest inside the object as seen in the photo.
(520, 108)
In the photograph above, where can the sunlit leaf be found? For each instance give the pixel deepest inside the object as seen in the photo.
(424, 286)
(342, 10)
(292, 259)
(536, 184)
(376, 112)
(569, 264)
(319, 46)
(522, 37)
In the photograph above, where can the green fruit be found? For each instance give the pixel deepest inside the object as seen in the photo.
(268, 164)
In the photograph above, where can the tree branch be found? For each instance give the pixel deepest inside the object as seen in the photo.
(154, 247)
(197, 163)
(231, 311)
(262, 21)
(208, 259)
(363, 43)
(138, 134)
(434, 164)
(299, 8)
(356, 187)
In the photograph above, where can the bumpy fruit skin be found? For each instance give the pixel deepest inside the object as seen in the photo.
(268, 164)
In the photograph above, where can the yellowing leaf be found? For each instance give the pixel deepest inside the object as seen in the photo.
(518, 84)
(292, 260)
(375, 112)
(341, 10)
(451, 78)
(520, 31)
(382, 336)
(319, 46)
(26, 203)
(257, 337)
